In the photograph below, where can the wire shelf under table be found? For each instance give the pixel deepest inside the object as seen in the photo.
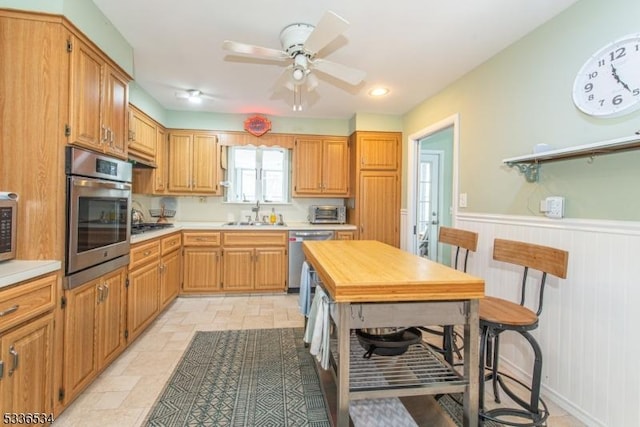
(417, 371)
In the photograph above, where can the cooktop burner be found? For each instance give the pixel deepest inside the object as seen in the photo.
(149, 226)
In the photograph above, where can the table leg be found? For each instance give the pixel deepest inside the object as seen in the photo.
(344, 330)
(471, 364)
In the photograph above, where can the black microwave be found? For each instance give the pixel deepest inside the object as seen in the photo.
(8, 227)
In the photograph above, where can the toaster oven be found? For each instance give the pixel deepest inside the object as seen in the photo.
(327, 214)
(8, 227)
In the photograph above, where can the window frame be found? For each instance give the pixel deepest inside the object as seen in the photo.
(259, 189)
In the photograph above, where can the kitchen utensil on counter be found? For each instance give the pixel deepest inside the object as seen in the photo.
(137, 217)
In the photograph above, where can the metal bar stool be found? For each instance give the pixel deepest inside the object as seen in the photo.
(467, 241)
(498, 315)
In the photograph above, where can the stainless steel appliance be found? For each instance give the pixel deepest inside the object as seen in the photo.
(8, 229)
(327, 214)
(98, 215)
(296, 256)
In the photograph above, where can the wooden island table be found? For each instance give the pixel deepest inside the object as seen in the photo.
(372, 285)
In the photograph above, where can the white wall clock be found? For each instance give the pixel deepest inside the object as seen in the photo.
(608, 84)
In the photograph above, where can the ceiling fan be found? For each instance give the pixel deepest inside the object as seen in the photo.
(300, 45)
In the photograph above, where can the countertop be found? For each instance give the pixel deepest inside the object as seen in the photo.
(371, 271)
(220, 226)
(15, 271)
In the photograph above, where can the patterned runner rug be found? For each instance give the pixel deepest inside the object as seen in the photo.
(256, 377)
(259, 377)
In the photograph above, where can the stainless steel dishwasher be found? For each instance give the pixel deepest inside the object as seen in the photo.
(296, 256)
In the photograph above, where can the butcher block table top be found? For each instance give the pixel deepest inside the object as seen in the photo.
(371, 271)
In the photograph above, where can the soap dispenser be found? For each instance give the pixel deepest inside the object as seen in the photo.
(272, 217)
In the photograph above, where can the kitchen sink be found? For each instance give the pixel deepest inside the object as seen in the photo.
(255, 224)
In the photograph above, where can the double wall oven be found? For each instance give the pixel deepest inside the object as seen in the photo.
(98, 215)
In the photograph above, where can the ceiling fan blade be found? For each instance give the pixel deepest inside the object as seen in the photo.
(339, 71)
(248, 49)
(329, 27)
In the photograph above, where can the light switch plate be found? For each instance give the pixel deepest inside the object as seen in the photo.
(554, 207)
(462, 200)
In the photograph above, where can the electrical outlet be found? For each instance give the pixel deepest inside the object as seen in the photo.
(554, 207)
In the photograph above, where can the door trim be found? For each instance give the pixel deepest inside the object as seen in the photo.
(412, 149)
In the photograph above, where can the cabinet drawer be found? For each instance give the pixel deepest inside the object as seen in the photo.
(144, 253)
(201, 238)
(24, 301)
(171, 243)
(255, 238)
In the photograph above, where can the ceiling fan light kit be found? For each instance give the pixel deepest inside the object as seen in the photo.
(301, 43)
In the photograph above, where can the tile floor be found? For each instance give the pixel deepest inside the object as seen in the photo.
(124, 393)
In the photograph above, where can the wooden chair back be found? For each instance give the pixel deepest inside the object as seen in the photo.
(546, 259)
(460, 239)
(542, 258)
(456, 237)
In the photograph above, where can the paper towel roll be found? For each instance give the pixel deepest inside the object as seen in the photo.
(6, 195)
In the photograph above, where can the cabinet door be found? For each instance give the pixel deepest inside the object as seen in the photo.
(271, 269)
(238, 269)
(170, 274)
(143, 299)
(160, 172)
(308, 166)
(205, 164)
(345, 235)
(80, 361)
(201, 270)
(143, 138)
(85, 97)
(27, 352)
(180, 162)
(111, 317)
(378, 216)
(115, 112)
(335, 167)
(378, 151)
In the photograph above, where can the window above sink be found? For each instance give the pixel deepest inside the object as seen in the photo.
(258, 174)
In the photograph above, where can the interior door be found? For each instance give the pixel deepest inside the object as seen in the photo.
(428, 203)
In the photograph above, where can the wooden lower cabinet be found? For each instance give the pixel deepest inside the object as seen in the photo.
(143, 299)
(254, 261)
(170, 269)
(201, 270)
(94, 330)
(27, 352)
(345, 235)
(201, 260)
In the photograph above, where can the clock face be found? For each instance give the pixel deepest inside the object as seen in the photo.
(608, 84)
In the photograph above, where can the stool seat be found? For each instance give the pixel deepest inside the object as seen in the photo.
(506, 313)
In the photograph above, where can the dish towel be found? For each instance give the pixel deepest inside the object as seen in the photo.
(317, 332)
(304, 299)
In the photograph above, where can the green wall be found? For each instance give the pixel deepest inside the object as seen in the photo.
(522, 97)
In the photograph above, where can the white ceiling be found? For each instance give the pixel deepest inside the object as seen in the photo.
(413, 47)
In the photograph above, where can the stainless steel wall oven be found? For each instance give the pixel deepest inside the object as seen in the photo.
(98, 215)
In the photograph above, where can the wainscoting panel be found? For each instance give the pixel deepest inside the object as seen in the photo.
(588, 327)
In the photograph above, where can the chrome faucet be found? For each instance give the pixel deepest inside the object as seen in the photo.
(256, 209)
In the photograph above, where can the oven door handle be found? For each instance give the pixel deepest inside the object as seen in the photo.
(97, 183)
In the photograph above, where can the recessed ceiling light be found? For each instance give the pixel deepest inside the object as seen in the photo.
(379, 91)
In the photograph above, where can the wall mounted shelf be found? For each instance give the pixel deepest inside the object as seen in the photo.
(529, 165)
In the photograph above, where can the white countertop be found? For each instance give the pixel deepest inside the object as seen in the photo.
(220, 226)
(15, 271)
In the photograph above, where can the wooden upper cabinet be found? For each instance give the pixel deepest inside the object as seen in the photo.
(142, 135)
(193, 163)
(378, 151)
(98, 100)
(321, 167)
